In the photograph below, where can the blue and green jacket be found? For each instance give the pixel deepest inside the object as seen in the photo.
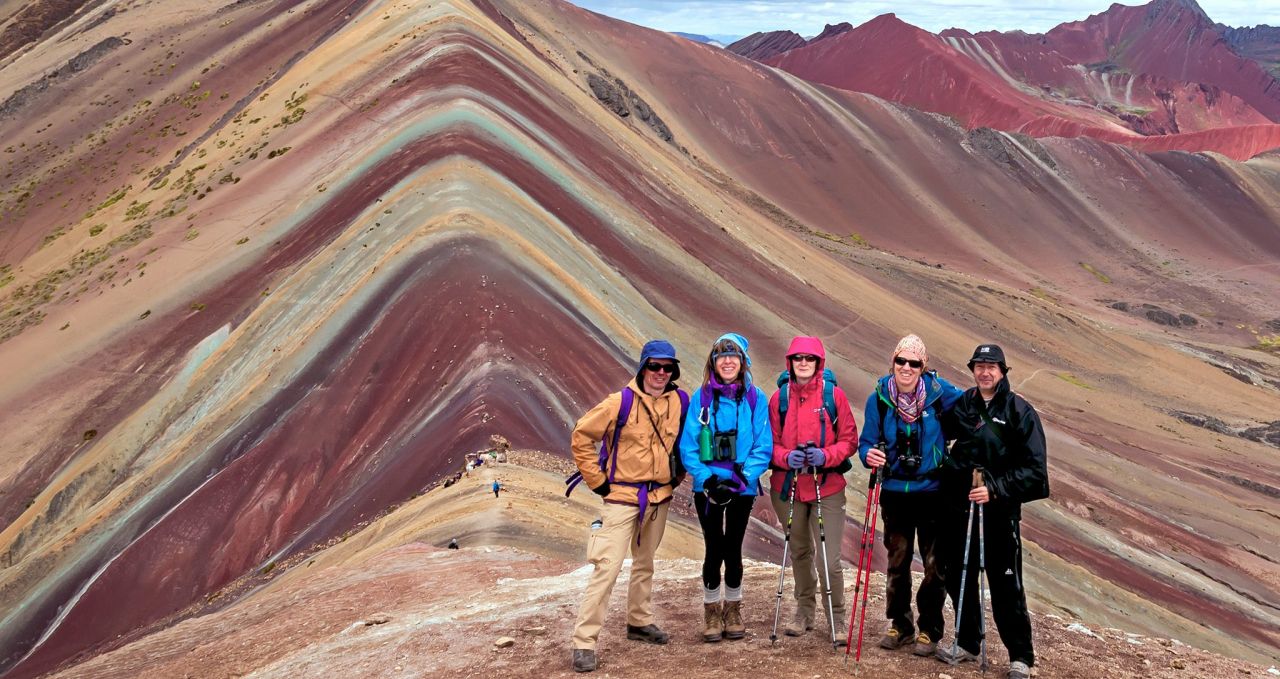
(754, 442)
(940, 396)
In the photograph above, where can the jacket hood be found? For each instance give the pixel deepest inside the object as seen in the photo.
(803, 344)
(740, 341)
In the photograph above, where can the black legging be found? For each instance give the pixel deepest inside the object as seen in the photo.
(723, 528)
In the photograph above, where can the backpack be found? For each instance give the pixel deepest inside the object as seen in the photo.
(624, 412)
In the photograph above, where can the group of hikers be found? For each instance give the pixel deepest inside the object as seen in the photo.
(637, 445)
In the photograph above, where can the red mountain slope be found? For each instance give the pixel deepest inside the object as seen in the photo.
(1021, 83)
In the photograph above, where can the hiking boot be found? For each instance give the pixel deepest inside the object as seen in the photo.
(802, 623)
(954, 655)
(1019, 670)
(925, 646)
(733, 627)
(584, 660)
(650, 634)
(841, 640)
(895, 638)
(714, 625)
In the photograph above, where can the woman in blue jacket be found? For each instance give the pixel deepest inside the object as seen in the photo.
(725, 447)
(905, 414)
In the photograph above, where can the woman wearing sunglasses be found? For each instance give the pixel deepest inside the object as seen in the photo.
(904, 413)
(725, 448)
(813, 435)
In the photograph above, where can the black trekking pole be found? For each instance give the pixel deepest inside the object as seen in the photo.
(786, 545)
(866, 543)
(964, 571)
(982, 573)
(826, 570)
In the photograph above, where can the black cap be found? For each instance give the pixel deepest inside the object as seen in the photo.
(989, 353)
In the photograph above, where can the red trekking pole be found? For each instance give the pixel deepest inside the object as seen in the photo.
(866, 547)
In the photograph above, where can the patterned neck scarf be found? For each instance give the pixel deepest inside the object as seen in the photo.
(730, 390)
(911, 405)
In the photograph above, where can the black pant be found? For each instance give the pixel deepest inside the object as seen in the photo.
(910, 518)
(1003, 546)
(723, 528)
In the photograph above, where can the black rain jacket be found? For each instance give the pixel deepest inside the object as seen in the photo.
(1010, 449)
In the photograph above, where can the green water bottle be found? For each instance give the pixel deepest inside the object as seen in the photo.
(704, 444)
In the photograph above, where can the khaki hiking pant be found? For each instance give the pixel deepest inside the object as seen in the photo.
(606, 550)
(806, 559)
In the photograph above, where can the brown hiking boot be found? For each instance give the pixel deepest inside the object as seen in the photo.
(802, 623)
(925, 646)
(714, 627)
(841, 639)
(733, 627)
(895, 638)
(584, 660)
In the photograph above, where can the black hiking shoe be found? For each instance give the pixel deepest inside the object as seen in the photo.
(584, 660)
(925, 646)
(650, 634)
(895, 638)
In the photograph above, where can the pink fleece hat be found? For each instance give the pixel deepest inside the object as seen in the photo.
(913, 344)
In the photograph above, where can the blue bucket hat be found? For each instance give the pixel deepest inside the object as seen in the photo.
(738, 340)
(658, 349)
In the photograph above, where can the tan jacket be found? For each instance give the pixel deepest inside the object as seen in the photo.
(643, 455)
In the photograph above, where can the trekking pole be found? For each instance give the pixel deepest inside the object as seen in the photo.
(786, 544)
(964, 570)
(826, 570)
(871, 542)
(982, 572)
(857, 580)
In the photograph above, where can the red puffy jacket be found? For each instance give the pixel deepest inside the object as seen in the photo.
(805, 420)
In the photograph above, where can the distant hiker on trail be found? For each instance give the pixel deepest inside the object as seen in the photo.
(814, 435)
(904, 413)
(999, 434)
(496, 487)
(725, 447)
(453, 543)
(636, 430)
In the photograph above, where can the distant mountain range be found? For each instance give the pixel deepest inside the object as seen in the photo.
(1159, 76)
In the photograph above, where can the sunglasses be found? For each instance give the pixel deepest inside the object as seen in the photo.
(660, 367)
(898, 360)
(804, 358)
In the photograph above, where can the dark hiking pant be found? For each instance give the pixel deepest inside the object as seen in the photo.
(1003, 541)
(911, 518)
(723, 529)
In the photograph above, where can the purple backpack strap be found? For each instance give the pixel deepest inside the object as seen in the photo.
(624, 412)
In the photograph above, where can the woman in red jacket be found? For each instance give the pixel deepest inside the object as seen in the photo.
(813, 435)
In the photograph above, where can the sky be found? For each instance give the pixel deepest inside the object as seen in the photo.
(738, 18)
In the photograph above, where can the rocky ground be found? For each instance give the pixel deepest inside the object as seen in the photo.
(383, 604)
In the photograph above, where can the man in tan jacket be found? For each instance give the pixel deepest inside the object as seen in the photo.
(636, 430)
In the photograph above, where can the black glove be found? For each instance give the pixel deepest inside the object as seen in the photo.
(602, 490)
(710, 484)
(721, 494)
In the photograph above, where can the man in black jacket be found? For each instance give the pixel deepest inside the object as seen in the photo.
(998, 433)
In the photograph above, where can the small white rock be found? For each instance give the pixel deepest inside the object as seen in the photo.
(504, 642)
(1080, 629)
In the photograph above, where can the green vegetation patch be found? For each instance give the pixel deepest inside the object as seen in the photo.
(1096, 274)
(111, 200)
(1072, 379)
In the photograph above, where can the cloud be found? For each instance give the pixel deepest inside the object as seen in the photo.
(735, 18)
